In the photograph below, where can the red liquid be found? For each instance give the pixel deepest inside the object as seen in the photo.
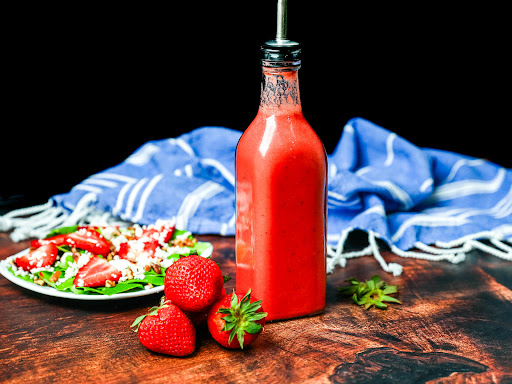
(281, 211)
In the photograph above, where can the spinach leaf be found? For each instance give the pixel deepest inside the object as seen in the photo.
(62, 231)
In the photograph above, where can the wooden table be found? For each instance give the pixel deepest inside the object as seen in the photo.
(455, 325)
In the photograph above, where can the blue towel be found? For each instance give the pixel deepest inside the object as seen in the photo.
(417, 202)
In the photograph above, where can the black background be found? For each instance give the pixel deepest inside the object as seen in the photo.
(87, 85)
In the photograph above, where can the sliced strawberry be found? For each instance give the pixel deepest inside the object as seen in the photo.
(147, 249)
(86, 239)
(150, 248)
(152, 238)
(96, 273)
(124, 248)
(56, 240)
(162, 234)
(38, 258)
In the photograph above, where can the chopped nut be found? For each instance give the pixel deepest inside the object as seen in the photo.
(76, 254)
(150, 285)
(129, 274)
(39, 281)
(55, 277)
(147, 268)
(156, 268)
(117, 231)
(110, 283)
(184, 242)
(111, 255)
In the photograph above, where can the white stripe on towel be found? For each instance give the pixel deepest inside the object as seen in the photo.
(144, 197)
(133, 196)
(193, 200)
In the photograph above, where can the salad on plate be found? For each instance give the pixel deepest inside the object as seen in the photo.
(105, 260)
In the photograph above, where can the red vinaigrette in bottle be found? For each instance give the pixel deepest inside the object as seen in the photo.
(281, 185)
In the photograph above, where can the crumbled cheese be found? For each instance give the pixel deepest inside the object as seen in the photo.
(138, 230)
(178, 251)
(73, 268)
(84, 259)
(19, 271)
(161, 253)
(120, 264)
(166, 263)
(116, 242)
(41, 269)
(108, 232)
(183, 236)
(136, 245)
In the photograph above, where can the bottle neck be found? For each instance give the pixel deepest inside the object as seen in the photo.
(280, 89)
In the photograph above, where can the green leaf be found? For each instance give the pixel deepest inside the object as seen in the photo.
(229, 318)
(232, 336)
(389, 298)
(229, 326)
(257, 316)
(200, 247)
(67, 248)
(234, 300)
(242, 317)
(65, 285)
(390, 289)
(62, 231)
(370, 293)
(64, 262)
(135, 325)
(26, 278)
(253, 328)
(240, 336)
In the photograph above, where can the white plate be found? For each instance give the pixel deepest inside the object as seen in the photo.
(50, 291)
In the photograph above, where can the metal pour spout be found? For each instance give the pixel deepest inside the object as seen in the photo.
(282, 20)
(281, 49)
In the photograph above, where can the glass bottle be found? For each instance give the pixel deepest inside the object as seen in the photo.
(281, 196)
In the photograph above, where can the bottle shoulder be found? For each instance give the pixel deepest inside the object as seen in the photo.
(280, 132)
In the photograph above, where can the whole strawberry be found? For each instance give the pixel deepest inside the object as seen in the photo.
(236, 320)
(166, 329)
(193, 283)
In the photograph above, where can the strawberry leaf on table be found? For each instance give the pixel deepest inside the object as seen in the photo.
(373, 292)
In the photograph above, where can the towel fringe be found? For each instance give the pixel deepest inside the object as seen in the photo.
(454, 251)
(39, 220)
(394, 268)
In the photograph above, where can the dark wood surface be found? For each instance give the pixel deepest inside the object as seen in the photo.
(454, 326)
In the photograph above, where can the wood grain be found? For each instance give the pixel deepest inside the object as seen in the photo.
(454, 326)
